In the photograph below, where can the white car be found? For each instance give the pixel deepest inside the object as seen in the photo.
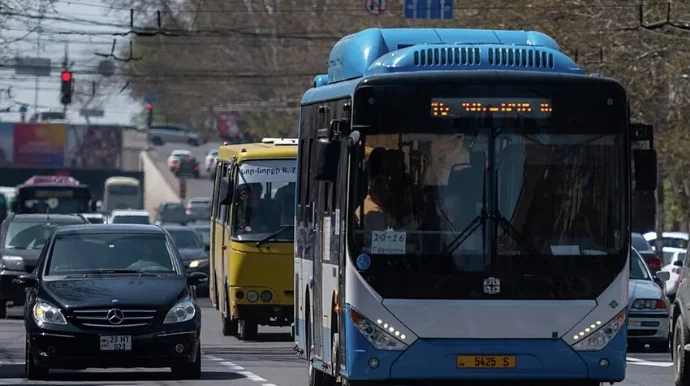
(175, 156)
(669, 239)
(129, 216)
(210, 159)
(648, 315)
(673, 260)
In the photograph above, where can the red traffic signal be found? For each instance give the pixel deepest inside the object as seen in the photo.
(149, 106)
(66, 76)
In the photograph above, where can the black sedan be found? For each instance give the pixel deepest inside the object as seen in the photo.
(112, 296)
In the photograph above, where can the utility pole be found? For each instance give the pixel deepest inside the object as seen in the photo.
(41, 9)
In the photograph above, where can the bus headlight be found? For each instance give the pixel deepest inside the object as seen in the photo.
(599, 337)
(252, 296)
(377, 336)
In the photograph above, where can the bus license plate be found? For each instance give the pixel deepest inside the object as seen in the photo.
(486, 362)
(116, 343)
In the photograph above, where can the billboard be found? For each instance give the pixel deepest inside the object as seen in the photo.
(59, 145)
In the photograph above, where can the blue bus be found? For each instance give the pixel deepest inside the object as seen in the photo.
(463, 212)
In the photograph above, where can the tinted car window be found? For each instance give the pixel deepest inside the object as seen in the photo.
(129, 219)
(185, 239)
(637, 269)
(31, 235)
(639, 243)
(110, 251)
(674, 243)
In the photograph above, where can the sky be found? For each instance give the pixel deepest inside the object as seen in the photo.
(80, 25)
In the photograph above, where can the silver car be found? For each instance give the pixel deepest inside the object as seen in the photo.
(673, 258)
(169, 133)
(648, 307)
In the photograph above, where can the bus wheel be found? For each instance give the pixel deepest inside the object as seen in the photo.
(3, 309)
(335, 363)
(248, 330)
(316, 377)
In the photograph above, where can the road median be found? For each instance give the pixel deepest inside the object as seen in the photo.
(159, 188)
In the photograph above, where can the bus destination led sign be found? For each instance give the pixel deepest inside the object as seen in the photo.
(496, 107)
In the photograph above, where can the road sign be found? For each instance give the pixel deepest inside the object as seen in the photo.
(91, 113)
(429, 9)
(375, 7)
(150, 97)
(32, 66)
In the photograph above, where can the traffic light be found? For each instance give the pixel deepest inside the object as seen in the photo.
(66, 87)
(149, 114)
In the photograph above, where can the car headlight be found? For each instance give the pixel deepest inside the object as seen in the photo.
(252, 296)
(198, 263)
(13, 263)
(380, 338)
(45, 313)
(600, 335)
(649, 304)
(181, 312)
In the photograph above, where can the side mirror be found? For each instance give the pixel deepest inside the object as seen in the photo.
(678, 263)
(196, 278)
(327, 157)
(25, 281)
(645, 169)
(14, 206)
(663, 276)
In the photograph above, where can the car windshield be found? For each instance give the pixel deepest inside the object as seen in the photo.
(448, 194)
(130, 219)
(639, 243)
(264, 200)
(102, 252)
(31, 235)
(185, 239)
(674, 242)
(637, 267)
(204, 234)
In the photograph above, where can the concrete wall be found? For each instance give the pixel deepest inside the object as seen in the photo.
(158, 189)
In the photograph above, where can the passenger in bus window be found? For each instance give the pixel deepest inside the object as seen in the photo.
(251, 215)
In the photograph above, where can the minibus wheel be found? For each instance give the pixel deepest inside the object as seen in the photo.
(229, 325)
(248, 330)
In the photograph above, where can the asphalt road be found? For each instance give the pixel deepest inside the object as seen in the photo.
(267, 362)
(201, 187)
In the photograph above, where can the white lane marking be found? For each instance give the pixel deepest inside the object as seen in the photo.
(11, 363)
(247, 374)
(642, 362)
(213, 358)
(268, 384)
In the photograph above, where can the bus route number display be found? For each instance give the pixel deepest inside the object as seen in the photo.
(52, 193)
(388, 242)
(495, 107)
(268, 171)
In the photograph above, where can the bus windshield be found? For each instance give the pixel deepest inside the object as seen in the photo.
(528, 198)
(264, 200)
(124, 190)
(58, 200)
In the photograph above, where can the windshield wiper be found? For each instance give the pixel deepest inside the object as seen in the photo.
(123, 271)
(274, 234)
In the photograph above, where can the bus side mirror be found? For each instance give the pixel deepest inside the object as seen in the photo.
(645, 169)
(327, 158)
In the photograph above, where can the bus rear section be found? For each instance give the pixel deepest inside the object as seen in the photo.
(252, 241)
(122, 193)
(479, 229)
(52, 194)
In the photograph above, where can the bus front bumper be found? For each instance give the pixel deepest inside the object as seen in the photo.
(436, 360)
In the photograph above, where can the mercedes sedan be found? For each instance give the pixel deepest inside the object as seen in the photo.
(109, 296)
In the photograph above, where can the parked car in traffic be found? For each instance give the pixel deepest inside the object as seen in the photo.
(674, 258)
(198, 208)
(204, 232)
(171, 213)
(22, 236)
(210, 159)
(643, 247)
(182, 164)
(160, 134)
(649, 310)
(668, 239)
(129, 216)
(111, 296)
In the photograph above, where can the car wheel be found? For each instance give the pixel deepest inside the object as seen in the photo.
(681, 359)
(189, 370)
(158, 141)
(193, 142)
(3, 309)
(196, 175)
(248, 330)
(33, 371)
